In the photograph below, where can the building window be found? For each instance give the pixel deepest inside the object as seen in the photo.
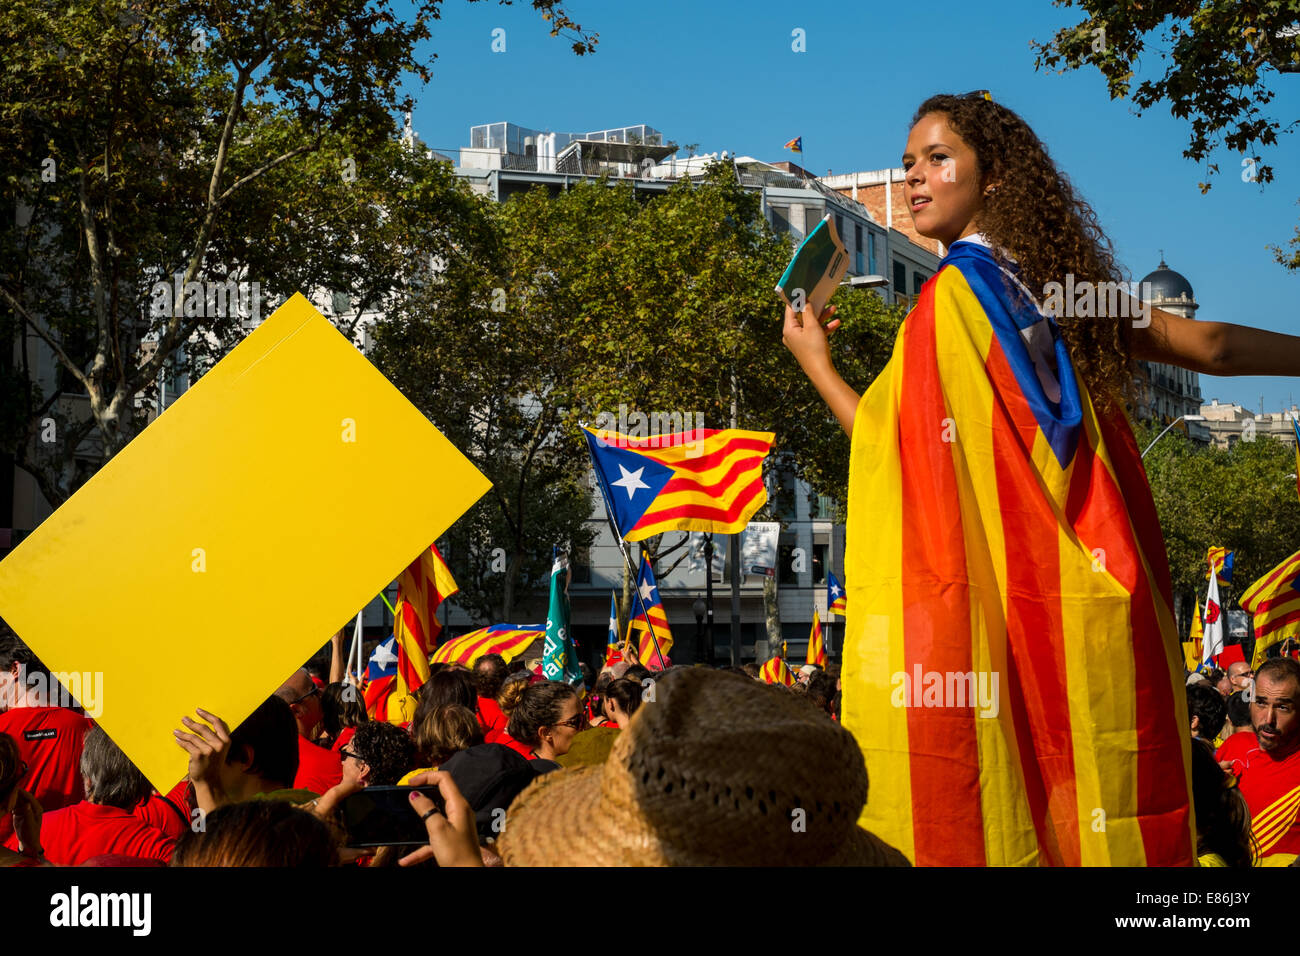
(780, 219)
(857, 247)
(786, 574)
(839, 226)
(900, 280)
(581, 564)
(871, 251)
(918, 280)
(819, 564)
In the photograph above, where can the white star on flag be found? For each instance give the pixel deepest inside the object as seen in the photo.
(384, 656)
(647, 592)
(631, 481)
(835, 590)
(613, 624)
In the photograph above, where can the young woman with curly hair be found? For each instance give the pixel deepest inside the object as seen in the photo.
(1010, 656)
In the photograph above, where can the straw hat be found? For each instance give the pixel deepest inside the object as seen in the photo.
(717, 770)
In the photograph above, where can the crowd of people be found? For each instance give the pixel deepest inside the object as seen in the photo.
(272, 790)
(682, 766)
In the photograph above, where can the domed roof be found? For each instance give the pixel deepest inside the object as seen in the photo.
(1168, 284)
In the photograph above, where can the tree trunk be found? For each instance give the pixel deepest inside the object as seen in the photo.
(772, 609)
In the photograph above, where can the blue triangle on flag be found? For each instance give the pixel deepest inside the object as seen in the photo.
(631, 482)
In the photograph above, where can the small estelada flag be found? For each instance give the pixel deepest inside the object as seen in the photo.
(1221, 560)
(837, 601)
(795, 144)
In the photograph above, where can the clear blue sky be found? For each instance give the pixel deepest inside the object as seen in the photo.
(723, 75)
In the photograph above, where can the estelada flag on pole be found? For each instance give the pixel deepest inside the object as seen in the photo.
(1001, 531)
(1221, 561)
(1274, 603)
(704, 479)
(776, 671)
(816, 643)
(648, 611)
(795, 144)
(381, 675)
(837, 601)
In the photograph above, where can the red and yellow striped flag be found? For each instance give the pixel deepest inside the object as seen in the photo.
(816, 643)
(698, 480)
(1005, 562)
(775, 671)
(425, 584)
(1274, 603)
(508, 640)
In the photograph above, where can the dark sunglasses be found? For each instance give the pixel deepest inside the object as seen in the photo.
(311, 693)
(576, 721)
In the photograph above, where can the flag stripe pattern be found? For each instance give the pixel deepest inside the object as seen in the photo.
(775, 671)
(508, 640)
(705, 479)
(1221, 560)
(1001, 530)
(816, 643)
(1274, 603)
(836, 599)
(647, 612)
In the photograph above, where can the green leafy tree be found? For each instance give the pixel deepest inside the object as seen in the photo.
(1221, 61)
(1243, 498)
(142, 140)
(596, 299)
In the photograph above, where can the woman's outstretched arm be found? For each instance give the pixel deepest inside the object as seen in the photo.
(1216, 348)
(807, 340)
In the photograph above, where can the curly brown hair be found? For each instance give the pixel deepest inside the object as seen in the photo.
(1035, 218)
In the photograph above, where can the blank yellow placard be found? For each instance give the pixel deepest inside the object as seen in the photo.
(230, 539)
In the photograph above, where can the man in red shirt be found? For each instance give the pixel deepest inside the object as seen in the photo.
(489, 676)
(49, 738)
(103, 823)
(319, 768)
(1270, 780)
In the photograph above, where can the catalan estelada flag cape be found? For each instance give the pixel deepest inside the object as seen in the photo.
(1011, 668)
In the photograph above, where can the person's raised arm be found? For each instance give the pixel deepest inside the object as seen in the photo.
(1216, 348)
(807, 340)
(336, 657)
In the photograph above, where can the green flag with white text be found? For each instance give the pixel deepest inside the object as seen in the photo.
(559, 659)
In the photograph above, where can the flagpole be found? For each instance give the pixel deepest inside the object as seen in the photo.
(354, 656)
(622, 546)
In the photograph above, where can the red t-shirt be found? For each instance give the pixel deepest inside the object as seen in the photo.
(345, 737)
(493, 719)
(49, 741)
(318, 768)
(506, 740)
(1235, 749)
(1272, 791)
(84, 830)
(160, 812)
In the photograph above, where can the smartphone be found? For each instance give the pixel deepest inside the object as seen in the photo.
(383, 816)
(816, 269)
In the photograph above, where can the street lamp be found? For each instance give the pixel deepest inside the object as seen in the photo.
(865, 282)
(1180, 418)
